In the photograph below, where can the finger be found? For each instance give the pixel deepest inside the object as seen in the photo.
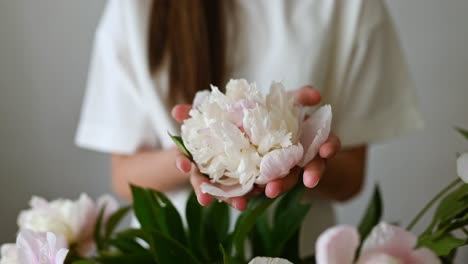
(330, 148)
(239, 203)
(196, 179)
(180, 112)
(313, 172)
(183, 163)
(307, 96)
(279, 186)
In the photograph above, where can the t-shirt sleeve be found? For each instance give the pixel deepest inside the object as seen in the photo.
(374, 98)
(112, 117)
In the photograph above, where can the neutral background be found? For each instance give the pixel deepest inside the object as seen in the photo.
(44, 53)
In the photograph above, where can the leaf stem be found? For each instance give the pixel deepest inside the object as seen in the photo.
(432, 202)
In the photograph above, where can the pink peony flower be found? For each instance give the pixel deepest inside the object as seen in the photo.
(35, 248)
(75, 220)
(386, 244)
(243, 138)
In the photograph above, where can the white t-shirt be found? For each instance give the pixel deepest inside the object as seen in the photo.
(346, 49)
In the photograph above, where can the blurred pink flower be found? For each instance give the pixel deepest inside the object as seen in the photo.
(75, 220)
(35, 248)
(386, 244)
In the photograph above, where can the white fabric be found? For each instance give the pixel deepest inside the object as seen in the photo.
(346, 49)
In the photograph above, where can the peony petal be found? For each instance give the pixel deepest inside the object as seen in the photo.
(315, 132)
(424, 256)
(378, 258)
(8, 254)
(266, 260)
(222, 191)
(277, 163)
(38, 202)
(385, 236)
(200, 97)
(337, 245)
(462, 167)
(60, 256)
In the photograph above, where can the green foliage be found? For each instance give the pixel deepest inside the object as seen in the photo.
(372, 215)
(443, 245)
(278, 236)
(180, 144)
(450, 215)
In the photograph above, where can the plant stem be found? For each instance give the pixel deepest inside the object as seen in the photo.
(432, 202)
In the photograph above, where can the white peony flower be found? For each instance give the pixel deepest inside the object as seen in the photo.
(74, 220)
(243, 138)
(462, 167)
(35, 248)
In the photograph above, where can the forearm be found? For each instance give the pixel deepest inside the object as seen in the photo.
(344, 175)
(154, 169)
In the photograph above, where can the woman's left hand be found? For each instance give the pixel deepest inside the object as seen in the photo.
(313, 171)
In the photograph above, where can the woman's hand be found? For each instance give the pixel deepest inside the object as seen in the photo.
(312, 172)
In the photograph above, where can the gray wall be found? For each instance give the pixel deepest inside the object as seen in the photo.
(44, 52)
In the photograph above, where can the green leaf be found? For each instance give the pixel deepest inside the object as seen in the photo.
(373, 214)
(180, 143)
(98, 228)
(139, 257)
(291, 251)
(126, 245)
(441, 246)
(288, 220)
(114, 220)
(217, 220)
(194, 217)
(133, 233)
(175, 227)
(463, 132)
(216, 224)
(84, 261)
(144, 206)
(246, 222)
(170, 251)
(451, 206)
(260, 237)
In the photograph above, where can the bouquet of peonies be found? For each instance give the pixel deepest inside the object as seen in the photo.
(237, 140)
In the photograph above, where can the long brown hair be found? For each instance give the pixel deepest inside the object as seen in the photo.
(191, 33)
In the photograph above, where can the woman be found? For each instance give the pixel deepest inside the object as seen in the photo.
(151, 55)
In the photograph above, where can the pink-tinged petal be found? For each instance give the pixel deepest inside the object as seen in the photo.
(315, 132)
(61, 255)
(393, 240)
(28, 248)
(277, 163)
(379, 258)
(200, 97)
(223, 191)
(43, 248)
(337, 245)
(424, 256)
(462, 167)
